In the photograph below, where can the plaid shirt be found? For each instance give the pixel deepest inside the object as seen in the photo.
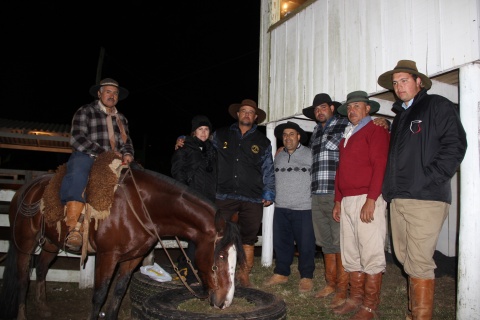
(90, 132)
(324, 144)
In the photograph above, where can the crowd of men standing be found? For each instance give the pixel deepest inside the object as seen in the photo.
(341, 183)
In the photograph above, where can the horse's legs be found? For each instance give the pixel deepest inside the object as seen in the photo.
(104, 269)
(43, 262)
(124, 274)
(23, 280)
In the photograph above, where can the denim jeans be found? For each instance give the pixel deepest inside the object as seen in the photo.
(76, 178)
(292, 227)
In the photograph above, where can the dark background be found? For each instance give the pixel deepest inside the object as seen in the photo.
(177, 59)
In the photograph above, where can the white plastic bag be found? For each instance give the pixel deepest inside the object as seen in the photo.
(156, 273)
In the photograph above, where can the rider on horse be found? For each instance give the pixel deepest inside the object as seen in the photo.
(96, 127)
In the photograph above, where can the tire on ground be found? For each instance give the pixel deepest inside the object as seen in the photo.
(164, 305)
(143, 287)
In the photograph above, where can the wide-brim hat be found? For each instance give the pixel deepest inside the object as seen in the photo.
(233, 109)
(319, 99)
(122, 92)
(290, 125)
(359, 96)
(408, 66)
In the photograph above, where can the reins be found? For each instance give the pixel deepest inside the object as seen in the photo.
(155, 234)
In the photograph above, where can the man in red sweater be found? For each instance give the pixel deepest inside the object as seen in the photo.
(359, 205)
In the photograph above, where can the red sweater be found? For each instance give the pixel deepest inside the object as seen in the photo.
(362, 163)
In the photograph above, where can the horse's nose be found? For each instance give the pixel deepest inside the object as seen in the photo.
(213, 303)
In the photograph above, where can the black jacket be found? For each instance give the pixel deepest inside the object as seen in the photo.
(196, 166)
(427, 145)
(246, 164)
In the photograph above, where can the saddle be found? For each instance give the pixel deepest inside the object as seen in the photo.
(100, 190)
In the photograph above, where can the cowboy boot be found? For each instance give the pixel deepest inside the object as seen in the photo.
(342, 283)
(409, 292)
(74, 237)
(330, 275)
(371, 299)
(243, 274)
(421, 291)
(355, 298)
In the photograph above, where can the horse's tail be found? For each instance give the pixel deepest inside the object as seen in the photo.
(9, 291)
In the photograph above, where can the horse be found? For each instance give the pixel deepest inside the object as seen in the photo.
(146, 205)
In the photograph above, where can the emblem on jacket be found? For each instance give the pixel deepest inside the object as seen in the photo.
(255, 149)
(225, 145)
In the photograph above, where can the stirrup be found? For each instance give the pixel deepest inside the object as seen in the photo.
(74, 240)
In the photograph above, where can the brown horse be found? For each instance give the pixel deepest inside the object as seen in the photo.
(146, 205)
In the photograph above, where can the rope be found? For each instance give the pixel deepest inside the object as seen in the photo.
(145, 211)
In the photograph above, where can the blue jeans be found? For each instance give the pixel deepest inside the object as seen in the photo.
(290, 227)
(76, 178)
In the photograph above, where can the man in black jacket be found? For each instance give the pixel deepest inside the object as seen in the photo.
(246, 178)
(427, 145)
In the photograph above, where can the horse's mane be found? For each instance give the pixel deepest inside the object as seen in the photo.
(232, 235)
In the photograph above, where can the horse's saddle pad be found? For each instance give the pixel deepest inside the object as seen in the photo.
(99, 192)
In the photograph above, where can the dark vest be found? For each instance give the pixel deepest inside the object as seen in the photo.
(240, 162)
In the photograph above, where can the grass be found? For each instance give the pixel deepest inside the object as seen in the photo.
(393, 299)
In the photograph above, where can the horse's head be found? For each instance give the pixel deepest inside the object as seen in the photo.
(228, 248)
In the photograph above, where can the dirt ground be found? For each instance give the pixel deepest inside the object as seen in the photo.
(68, 302)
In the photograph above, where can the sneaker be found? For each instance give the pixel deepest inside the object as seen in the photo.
(276, 279)
(305, 285)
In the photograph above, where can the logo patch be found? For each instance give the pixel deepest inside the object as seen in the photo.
(255, 149)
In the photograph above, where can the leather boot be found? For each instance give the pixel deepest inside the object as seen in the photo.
(357, 291)
(371, 299)
(243, 274)
(421, 292)
(409, 292)
(330, 276)
(74, 237)
(342, 284)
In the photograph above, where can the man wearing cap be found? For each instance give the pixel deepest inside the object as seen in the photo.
(359, 205)
(427, 145)
(246, 181)
(96, 127)
(324, 145)
(292, 220)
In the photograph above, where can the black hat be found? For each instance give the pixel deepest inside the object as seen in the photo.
(290, 125)
(122, 92)
(318, 100)
(199, 121)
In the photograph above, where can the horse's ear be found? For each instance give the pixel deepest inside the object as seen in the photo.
(220, 221)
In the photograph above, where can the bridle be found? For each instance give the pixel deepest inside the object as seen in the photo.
(155, 234)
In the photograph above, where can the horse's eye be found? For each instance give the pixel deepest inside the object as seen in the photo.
(221, 256)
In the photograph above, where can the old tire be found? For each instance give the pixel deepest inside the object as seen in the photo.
(164, 305)
(143, 287)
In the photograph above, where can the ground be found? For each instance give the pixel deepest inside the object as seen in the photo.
(68, 302)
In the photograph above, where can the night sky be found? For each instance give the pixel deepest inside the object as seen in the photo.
(177, 59)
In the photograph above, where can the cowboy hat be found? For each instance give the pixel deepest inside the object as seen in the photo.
(408, 66)
(290, 125)
(122, 92)
(233, 109)
(319, 99)
(359, 96)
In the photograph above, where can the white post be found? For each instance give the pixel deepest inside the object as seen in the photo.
(87, 274)
(267, 223)
(468, 290)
